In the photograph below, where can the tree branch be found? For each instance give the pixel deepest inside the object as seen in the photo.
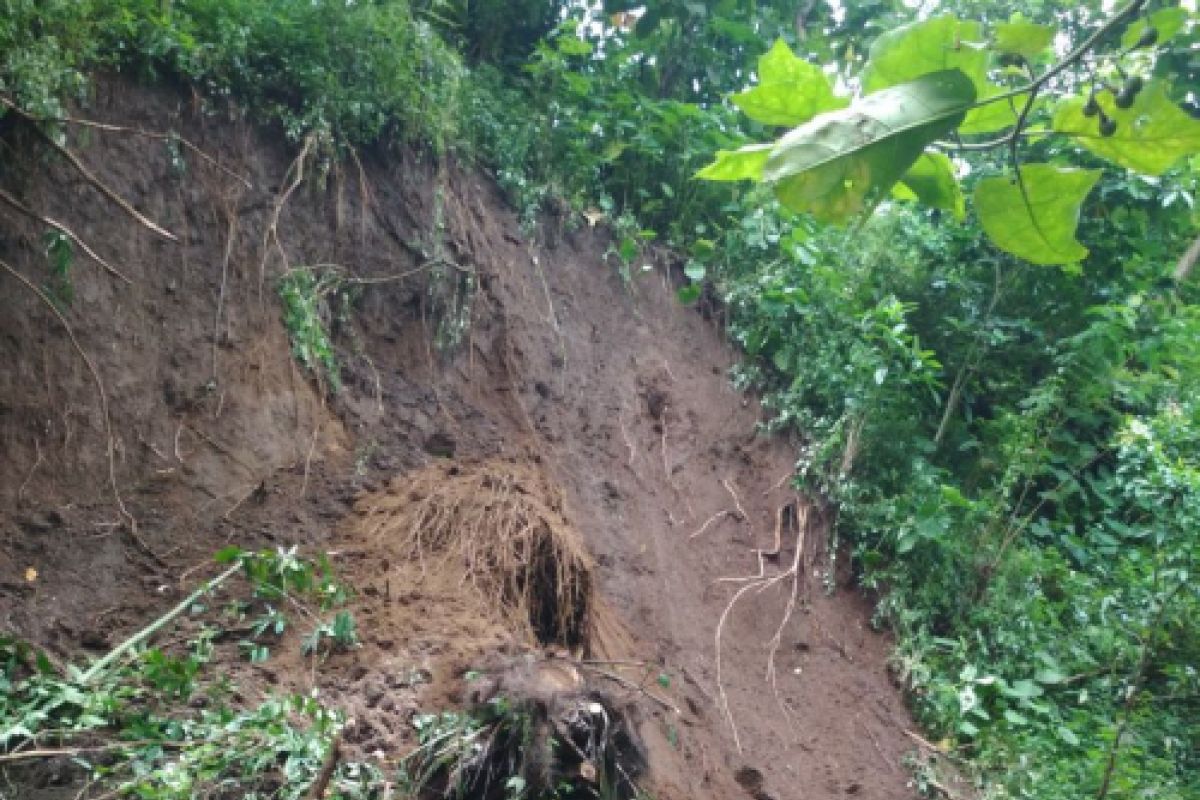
(1188, 260)
(1039, 83)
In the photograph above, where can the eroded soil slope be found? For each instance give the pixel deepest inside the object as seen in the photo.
(609, 399)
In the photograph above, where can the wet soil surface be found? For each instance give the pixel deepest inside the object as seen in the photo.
(615, 398)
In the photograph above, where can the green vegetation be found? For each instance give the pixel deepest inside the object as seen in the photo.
(994, 371)
(156, 723)
(307, 297)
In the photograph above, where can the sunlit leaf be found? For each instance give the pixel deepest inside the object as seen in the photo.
(931, 181)
(938, 44)
(1167, 21)
(735, 165)
(1022, 689)
(917, 49)
(1039, 223)
(994, 116)
(1049, 676)
(1021, 37)
(789, 91)
(839, 163)
(1151, 135)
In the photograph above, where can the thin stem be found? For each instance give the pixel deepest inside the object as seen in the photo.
(145, 633)
(1037, 84)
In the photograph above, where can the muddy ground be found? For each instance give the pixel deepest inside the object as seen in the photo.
(610, 399)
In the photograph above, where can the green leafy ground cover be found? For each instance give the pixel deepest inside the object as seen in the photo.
(1012, 446)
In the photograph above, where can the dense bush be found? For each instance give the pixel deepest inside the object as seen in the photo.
(349, 73)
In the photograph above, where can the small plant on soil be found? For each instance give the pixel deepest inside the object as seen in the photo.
(307, 314)
(339, 633)
(629, 241)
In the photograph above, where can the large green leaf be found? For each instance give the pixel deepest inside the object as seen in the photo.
(842, 161)
(932, 45)
(736, 165)
(790, 90)
(931, 181)
(1021, 37)
(1151, 135)
(935, 44)
(1035, 219)
(994, 116)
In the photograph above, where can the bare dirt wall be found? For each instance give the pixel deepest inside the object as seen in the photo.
(614, 392)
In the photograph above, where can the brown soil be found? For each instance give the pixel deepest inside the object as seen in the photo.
(608, 406)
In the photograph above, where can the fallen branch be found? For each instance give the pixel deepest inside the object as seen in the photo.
(145, 633)
(65, 231)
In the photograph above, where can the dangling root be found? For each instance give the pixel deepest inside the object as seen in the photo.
(760, 583)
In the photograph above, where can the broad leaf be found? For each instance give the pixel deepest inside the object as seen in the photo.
(931, 181)
(941, 43)
(994, 116)
(1167, 21)
(736, 165)
(1020, 37)
(790, 90)
(1151, 135)
(837, 164)
(1037, 223)
(936, 44)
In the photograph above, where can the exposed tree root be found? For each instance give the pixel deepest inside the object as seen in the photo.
(737, 503)
(108, 128)
(717, 517)
(230, 235)
(499, 527)
(758, 583)
(270, 240)
(65, 231)
(107, 191)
